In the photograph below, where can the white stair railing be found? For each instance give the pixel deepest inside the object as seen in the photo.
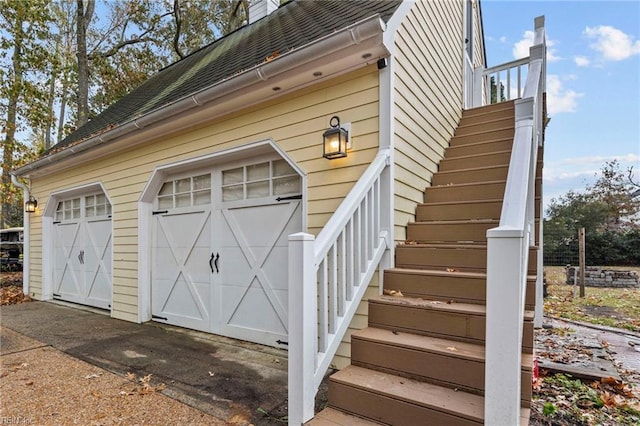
(328, 276)
(508, 249)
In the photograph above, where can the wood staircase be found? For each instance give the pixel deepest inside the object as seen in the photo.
(421, 359)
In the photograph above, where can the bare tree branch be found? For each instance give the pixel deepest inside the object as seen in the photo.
(176, 36)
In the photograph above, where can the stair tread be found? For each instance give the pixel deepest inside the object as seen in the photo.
(478, 275)
(433, 272)
(472, 169)
(496, 129)
(456, 222)
(510, 104)
(484, 154)
(439, 305)
(449, 245)
(454, 185)
(485, 122)
(333, 417)
(439, 398)
(452, 348)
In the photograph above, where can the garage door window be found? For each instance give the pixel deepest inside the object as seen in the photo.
(260, 180)
(68, 210)
(96, 205)
(186, 192)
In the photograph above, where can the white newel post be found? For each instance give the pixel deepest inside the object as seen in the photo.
(506, 268)
(478, 87)
(302, 324)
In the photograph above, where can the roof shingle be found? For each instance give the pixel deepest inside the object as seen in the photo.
(294, 25)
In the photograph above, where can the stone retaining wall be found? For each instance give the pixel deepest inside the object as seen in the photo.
(598, 277)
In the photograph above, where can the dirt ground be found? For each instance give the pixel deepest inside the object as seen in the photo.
(75, 392)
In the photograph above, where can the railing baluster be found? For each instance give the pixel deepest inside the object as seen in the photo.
(323, 320)
(377, 208)
(333, 288)
(357, 252)
(342, 274)
(350, 261)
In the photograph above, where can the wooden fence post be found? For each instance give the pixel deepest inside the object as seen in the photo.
(581, 249)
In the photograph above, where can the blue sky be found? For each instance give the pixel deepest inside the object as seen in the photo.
(593, 81)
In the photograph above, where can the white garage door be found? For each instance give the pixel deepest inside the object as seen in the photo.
(82, 251)
(220, 250)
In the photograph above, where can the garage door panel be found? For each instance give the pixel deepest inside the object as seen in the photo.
(181, 275)
(276, 270)
(184, 300)
(244, 308)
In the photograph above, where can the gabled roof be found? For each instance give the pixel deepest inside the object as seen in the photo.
(294, 25)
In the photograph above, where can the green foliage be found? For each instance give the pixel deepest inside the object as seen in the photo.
(548, 409)
(607, 212)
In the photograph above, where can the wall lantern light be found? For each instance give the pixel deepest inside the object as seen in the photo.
(335, 140)
(30, 205)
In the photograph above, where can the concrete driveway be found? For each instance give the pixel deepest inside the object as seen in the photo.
(216, 375)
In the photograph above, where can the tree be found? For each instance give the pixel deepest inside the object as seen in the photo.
(608, 213)
(25, 61)
(64, 62)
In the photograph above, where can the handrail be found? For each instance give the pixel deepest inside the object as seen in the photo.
(508, 249)
(328, 276)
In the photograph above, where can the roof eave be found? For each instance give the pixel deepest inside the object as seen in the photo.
(366, 34)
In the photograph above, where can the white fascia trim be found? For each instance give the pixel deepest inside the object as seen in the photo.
(353, 35)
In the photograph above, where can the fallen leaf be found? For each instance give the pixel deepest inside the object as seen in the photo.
(396, 293)
(451, 348)
(93, 376)
(451, 270)
(211, 374)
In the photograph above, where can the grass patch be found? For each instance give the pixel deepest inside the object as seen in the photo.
(613, 307)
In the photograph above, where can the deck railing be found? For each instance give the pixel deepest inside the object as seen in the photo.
(508, 247)
(328, 276)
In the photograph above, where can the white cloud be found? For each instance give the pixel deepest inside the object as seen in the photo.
(559, 99)
(581, 61)
(613, 44)
(503, 39)
(521, 48)
(596, 159)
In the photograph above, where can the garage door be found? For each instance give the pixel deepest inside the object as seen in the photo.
(82, 251)
(220, 250)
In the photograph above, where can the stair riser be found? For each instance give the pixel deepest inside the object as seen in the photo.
(446, 288)
(380, 408)
(487, 109)
(461, 211)
(468, 259)
(498, 134)
(440, 258)
(485, 126)
(475, 149)
(426, 231)
(464, 211)
(441, 369)
(431, 322)
(488, 191)
(470, 119)
(488, 160)
(470, 176)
